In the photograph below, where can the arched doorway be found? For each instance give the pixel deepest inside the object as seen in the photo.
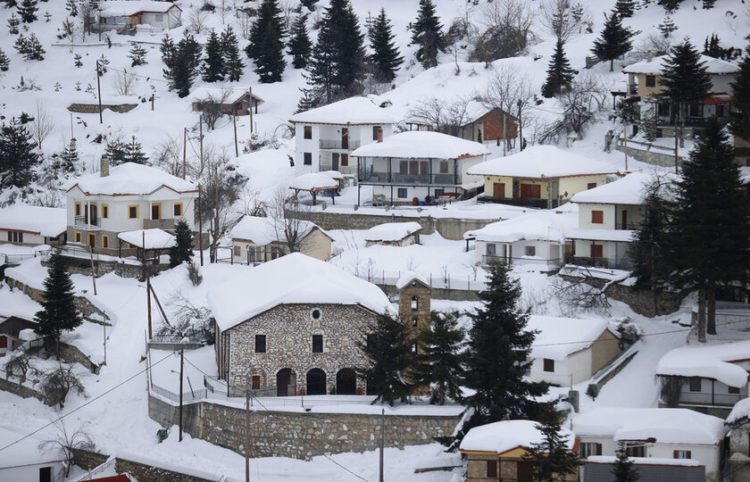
(286, 382)
(346, 382)
(316, 382)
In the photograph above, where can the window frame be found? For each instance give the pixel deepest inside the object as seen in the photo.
(682, 454)
(260, 341)
(77, 236)
(307, 132)
(317, 343)
(78, 209)
(548, 363)
(692, 382)
(585, 449)
(105, 241)
(404, 191)
(137, 211)
(307, 158)
(597, 216)
(492, 468)
(178, 206)
(105, 211)
(158, 210)
(529, 250)
(650, 81)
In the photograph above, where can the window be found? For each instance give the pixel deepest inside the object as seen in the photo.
(492, 468)
(237, 251)
(376, 132)
(549, 365)
(251, 254)
(92, 240)
(587, 449)
(77, 236)
(45, 474)
(344, 159)
(315, 314)
(663, 110)
(105, 241)
(177, 210)
(597, 217)
(695, 384)
(307, 158)
(530, 250)
(15, 236)
(682, 454)
(733, 390)
(414, 322)
(156, 211)
(78, 209)
(260, 343)
(133, 211)
(308, 132)
(403, 167)
(414, 303)
(416, 347)
(401, 193)
(597, 251)
(443, 167)
(591, 185)
(636, 450)
(650, 81)
(317, 343)
(105, 211)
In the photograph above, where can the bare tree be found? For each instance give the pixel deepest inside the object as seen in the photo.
(557, 17)
(124, 82)
(42, 125)
(291, 229)
(509, 91)
(197, 21)
(168, 156)
(57, 384)
(68, 443)
(508, 30)
(440, 115)
(245, 23)
(653, 45)
(210, 107)
(288, 7)
(581, 103)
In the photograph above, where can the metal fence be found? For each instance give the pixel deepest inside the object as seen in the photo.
(441, 280)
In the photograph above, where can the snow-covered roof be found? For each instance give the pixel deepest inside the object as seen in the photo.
(611, 459)
(230, 93)
(666, 425)
(617, 235)
(708, 361)
(559, 337)
(499, 437)
(130, 179)
(153, 238)
(541, 162)
(34, 219)
(745, 174)
(294, 278)
(392, 231)
(740, 411)
(354, 110)
(656, 65)
(408, 277)
(126, 8)
(422, 145)
(535, 226)
(626, 190)
(313, 181)
(262, 231)
(26, 451)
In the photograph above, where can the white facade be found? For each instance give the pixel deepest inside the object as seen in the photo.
(566, 372)
(158, 16)
(546, 254)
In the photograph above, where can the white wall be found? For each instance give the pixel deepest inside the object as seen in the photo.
(571, 370)
(584, 216)
(361, 134)
(30, 473)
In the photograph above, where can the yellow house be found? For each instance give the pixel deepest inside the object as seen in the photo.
(495, 451)
(540, 176)
(257, 240)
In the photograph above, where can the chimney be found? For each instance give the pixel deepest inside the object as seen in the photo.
(650, 55)
(380, 134)
(104, 169)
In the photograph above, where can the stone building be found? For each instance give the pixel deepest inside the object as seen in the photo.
(414, 309)
(292, 326)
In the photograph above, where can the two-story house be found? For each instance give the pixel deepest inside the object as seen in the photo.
(125, 198)
(415, 166)
(326, 136)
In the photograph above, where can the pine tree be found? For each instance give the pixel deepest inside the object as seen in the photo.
(385, 57)
(231, 53)
(10, 3)
(299, 45)
(137, 55)
(35, 51)
(184, 249)
(667, 27)
(4, 61)
(390, 352)
(167, 48)
(440, 363)
(68, 157)
(614, 41)
(116, 151)
(559, 73)
(669, 5)
(650, 241)
(266, 46)
(684, 79)
(58, 311)
(213, 63)
(427, 33)
(623, 468)
(625, 8)
(18, 155)
(710, 228)
(134, 153)
(740, 114)
(551, 459)
(309, 100)
(13, 23)
(183, 63)
(72, 7)
(27, 10)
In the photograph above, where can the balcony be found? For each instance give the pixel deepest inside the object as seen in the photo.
(338, 144)
(608, 263)
(159, 223)
(414, 179)
(346, 170)
(83, 222)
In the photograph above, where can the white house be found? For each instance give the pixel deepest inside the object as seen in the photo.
(567, 351)
(24, 461)
(326, 136)
(417, 166)
(124, 16)
(394, 234)
(257, 240)
(536, 238)
(662, 433)
(127, 197)
(709, 378)
(32, 225)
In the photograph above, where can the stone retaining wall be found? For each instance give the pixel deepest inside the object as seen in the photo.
(83, 305)
(143, 472)
(20, 390)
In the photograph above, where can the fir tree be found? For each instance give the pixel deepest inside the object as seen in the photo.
(427, 33)
(27, 10)
(18, 155)
(184, 249)
(299, 46)
(213, 63)
(740, 114)
(440, 363)
(134, 153)
(669, 5)
(667, 27)
(116, 151)
(68, 157)
(712, 47)
(309, 100)
(137, 55)
(390, 352)
(623, 468)
(266, 46)
(72, 7)
(625, 8)
(183, 63)
(13, 23)
(167, 48)
(559, 73)
(4, 61)
(77, 60)
(10, 3)
(551, 459)
(58, 311)
(231, 52)
(684, 79)
(385, 57)
(650, 244)
(614, 41)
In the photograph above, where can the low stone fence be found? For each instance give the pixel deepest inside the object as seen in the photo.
(86, 307)
(20, 390)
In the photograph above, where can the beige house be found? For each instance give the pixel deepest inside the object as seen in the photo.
(539, 176)
(257, 240)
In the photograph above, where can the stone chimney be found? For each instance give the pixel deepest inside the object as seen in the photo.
(104, 169)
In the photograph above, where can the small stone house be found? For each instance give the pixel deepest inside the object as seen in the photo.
(495, 451)
(257, 240)
(393, 234)
(32, 225)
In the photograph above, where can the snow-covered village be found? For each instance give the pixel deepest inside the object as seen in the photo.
(375, 240)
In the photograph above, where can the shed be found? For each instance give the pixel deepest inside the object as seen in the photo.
(394, 234)
(257, 239)
(10, 329)
(231, 100)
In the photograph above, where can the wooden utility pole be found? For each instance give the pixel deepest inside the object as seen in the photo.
(234, 121)
(216, 215)
(148, 283)
(250, 108)
(247, 436)
(520, 127)
(201, 135)
(184, 153)
(382, 443)
(625, 142)
(182, 362)
(153, 97)
(200, 224)
(105, 343)
(93, 272)
(99, 90)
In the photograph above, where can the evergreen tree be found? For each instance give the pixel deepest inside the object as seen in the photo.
(231, 52)
(68, 158)
(623, 468)
(427, 33)
(551, 459)
(559, 73)
(213, 63)
(183, 63)
(440, 363)
(390, 352)
(385, 57)
(4, 61)
(684, 79)
(27, 10)
(740, 114)
(625, 8)
(134, 153)
(10, 3)
(137, 55)
(299, 46)
(116, 151)
(669, 5)
(266, 46)
(708, 4)
(18, 156)
(650, 245)
(184, 249)
(667, 27)
(58, 311)
(35, 51)
(72, 7)
(614, 41)
(13, 23)
(309, 100)
(710, 228)
(167, 48)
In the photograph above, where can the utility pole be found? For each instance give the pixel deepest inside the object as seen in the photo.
(247, 436)
(520, 127)
(148, 283)
(105, 343)
(625, 141)
(99, 89)
(184, 153)
(234, 121)
(216, 215)
(382, 442)
(250, 109)
(182, 362)
(201, 135)
(676, 147)
(200, 224)
(93, 272)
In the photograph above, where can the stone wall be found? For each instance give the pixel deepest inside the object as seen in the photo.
(300, 435)
(655, 157)
(437, 293)
(20, 390)
(142, 471)
(82, 304)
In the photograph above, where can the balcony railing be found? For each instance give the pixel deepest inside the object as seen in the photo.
(348, 170)
(396, 178)
(715, 399)
(159, 223)
(628, 226)
(83, 222)
(338, 144)
(610, 263)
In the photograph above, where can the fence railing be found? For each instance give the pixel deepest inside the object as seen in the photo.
(436, 280)
(610, 263)
(338, 144)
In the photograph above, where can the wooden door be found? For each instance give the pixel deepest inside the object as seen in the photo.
(531, 191)
(491, 249)
(256, 382)
(92, 240)
(597, 251)
(498, 190)
(156, 211)
(335, 161)
(523, 473)
(344, 138)
(624, 220)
